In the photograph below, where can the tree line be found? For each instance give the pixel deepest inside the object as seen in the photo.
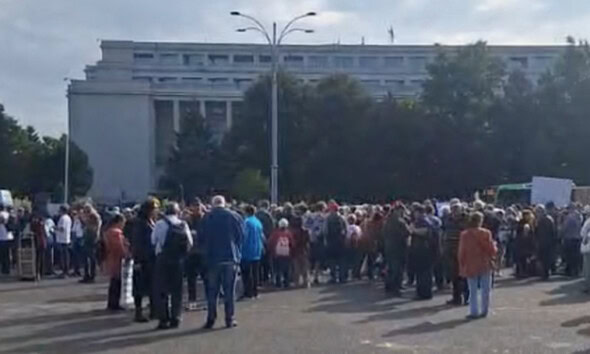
(475, 124)
(30, 164)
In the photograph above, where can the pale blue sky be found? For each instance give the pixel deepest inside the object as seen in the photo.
(44, 41)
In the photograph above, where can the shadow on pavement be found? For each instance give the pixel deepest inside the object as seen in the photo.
(80, 299)
(91, 325)
(426, 327)
(511, 281)
(569, 293)
(577, 322)
(52, 318)
(352, 298)
(406, 314)
(104, 342)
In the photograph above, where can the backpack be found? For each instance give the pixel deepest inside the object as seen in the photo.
(282, 248)
(176, 246)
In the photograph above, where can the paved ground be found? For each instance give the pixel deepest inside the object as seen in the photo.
(61, 316)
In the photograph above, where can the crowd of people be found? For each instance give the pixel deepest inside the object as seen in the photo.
(430, 246)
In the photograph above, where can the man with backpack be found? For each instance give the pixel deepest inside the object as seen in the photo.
(171, 239)
(335, 231)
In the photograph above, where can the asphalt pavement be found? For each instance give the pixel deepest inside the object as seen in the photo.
(527, 316)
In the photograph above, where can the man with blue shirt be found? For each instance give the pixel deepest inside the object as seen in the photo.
(423, 244)
(252, 248)
(223, 232)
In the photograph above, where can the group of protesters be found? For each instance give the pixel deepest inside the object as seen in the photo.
(430, 245)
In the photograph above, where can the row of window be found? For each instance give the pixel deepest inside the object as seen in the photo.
(316, 61)
(243, 83)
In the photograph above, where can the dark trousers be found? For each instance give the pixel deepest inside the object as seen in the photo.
(439, 273)
(265, 268)
(114, 293)
(77, 254)
(424, 282)
(221, 275)
(143, 285)
(168, 289)
(64, 256)
(250, 271)
(395, 273)
(5, 256)
(39, 261)
(89, 261)
(460, 289)
(194, 266)
(573, 263)
(282, 269)
(545, 256)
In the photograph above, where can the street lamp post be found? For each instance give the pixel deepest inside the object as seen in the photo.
(274, 43)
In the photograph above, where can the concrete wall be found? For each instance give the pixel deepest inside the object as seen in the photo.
(116, 131)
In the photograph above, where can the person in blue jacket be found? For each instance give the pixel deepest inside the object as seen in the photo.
(252, 249)
(223, 232)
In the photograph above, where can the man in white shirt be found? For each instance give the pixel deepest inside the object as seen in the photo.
(63, 238)
(6, 240)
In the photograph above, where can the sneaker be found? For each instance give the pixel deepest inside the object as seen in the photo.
(191, 306)
(162, 326)
(174, 323)
(472, 317)
(231, 324)
(209, 325)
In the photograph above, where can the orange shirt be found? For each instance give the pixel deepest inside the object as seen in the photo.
(476, 252)
(116, 249)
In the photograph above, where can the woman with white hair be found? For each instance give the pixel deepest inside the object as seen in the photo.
(281, 244)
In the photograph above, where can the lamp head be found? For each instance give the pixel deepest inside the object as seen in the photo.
(311, 13)
(235, 13)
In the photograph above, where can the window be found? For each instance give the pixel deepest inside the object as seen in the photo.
(143, 57)
(369, 62)
(216, 119)
(393, 62)
(189, 109)
(417, 82)
(218, 59)
(543, 62)
(293, 60)
(243, 83)
(169, 58)
(191, 79)
(166, 79)
(418, 62)
(317, 62)
(164, 130)
(343, 62)
(265, 59)
(218, 80)
(193, 59)
(142, 78)
(519, 62)
(244, 60)
(394, 83)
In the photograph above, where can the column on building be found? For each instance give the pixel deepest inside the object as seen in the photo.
(228, 115)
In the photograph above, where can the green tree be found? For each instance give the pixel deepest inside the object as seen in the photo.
(195, 166)
(250, 185)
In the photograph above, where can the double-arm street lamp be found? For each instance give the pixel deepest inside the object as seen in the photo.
(274, 43)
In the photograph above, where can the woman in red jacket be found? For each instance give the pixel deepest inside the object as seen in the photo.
(116, 249)
(476, 254)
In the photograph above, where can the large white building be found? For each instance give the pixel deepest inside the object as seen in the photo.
(125, 112)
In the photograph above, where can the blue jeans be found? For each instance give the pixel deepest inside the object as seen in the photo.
(221, 275)
(479, 284)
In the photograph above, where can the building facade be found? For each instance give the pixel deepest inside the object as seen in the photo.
(126, 111)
